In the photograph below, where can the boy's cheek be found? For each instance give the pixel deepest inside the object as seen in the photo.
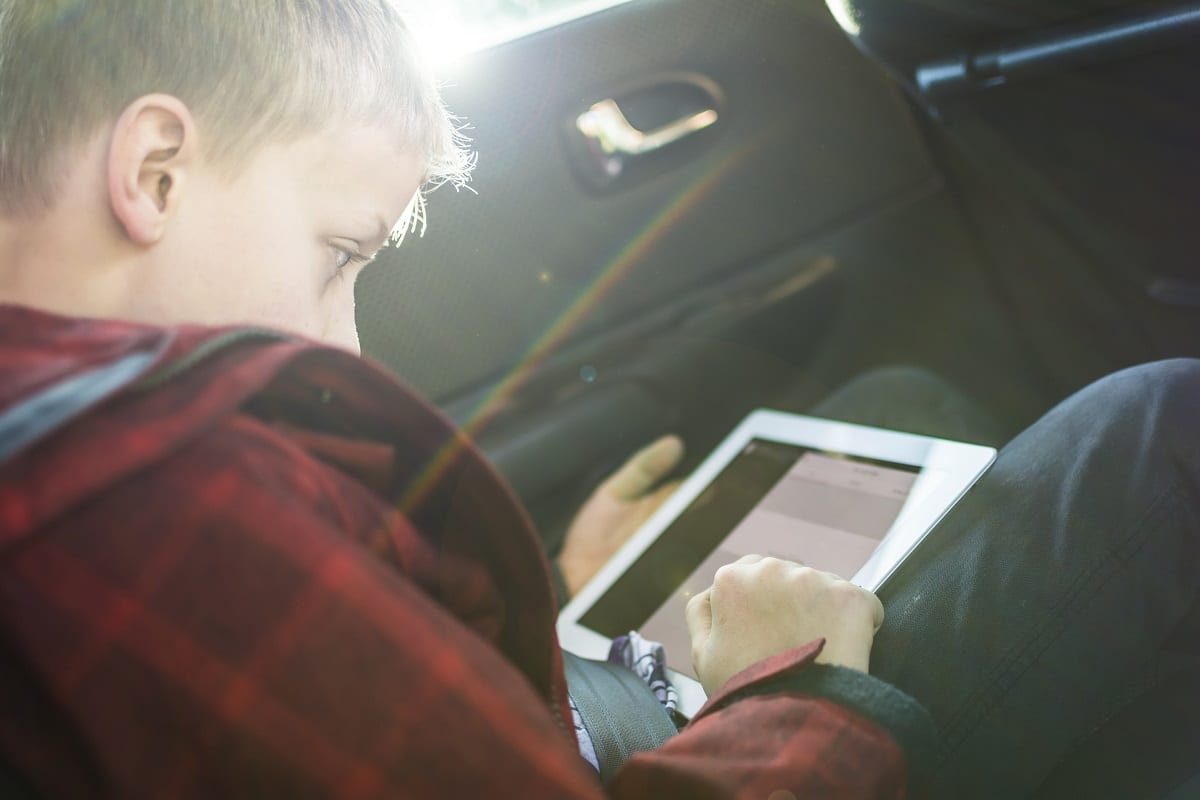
(340, 328)
(327, 317)
(287, 305)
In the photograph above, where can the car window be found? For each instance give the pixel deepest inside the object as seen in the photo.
(450, 28)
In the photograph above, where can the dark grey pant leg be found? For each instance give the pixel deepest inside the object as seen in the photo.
(1052, 586)
(913, 400)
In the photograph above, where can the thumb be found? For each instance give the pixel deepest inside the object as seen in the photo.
(877, 612)
(645, 469)
(699, 620)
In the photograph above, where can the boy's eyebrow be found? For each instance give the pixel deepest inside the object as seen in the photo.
(383, 232)
(382, 229)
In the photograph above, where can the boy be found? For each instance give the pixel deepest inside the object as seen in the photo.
(253, 566)
(249, 565)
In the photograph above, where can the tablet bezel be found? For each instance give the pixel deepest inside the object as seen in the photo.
(959, 464)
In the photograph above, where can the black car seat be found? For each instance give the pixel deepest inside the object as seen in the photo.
(1083, 115)
(1097, 97)
(1088, 112)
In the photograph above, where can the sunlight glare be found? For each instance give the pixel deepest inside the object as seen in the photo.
(442, 34)
(447, 33)
(846, 15)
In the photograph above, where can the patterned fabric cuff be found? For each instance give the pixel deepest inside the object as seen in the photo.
(899, 714)
(648, 660)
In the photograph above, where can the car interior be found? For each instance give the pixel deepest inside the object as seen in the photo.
(999, 191)
(684, 210)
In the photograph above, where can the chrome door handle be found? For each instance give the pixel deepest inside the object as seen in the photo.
(605, 125)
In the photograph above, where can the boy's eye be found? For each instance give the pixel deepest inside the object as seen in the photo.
(344, 257)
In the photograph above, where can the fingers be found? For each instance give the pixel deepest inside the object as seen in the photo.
(825, 579)
(759, 606)
(660, 495)
(645, 469)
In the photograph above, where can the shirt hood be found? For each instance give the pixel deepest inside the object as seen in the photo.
(194, 377)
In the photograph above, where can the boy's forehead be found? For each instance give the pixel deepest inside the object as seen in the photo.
(355, 152)
(360, 164)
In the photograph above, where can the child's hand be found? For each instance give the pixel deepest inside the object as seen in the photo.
(616, 510)
(760, 607)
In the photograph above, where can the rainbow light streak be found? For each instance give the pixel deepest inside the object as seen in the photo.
(607, 278)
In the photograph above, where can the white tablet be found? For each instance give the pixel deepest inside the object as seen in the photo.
(843, 498)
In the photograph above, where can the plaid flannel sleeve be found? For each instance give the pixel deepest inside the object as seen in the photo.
(847, 733)
(209, 630)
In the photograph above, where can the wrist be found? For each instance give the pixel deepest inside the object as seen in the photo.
(561, 593)
(570, 575)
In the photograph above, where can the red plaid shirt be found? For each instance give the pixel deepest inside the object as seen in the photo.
(271, 571)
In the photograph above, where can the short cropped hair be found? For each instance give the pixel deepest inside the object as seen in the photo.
(253, 72)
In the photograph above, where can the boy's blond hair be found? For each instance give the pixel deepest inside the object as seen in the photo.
(252, 72)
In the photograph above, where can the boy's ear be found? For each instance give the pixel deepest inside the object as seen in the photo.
(153, 147)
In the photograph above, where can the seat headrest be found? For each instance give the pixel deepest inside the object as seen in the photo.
(905, 33)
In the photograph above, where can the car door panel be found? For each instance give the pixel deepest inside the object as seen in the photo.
(564, 325)
(812, 136)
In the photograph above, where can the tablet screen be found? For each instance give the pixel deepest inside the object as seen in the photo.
(826, 510)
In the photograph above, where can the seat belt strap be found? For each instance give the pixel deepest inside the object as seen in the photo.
(619, 711)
